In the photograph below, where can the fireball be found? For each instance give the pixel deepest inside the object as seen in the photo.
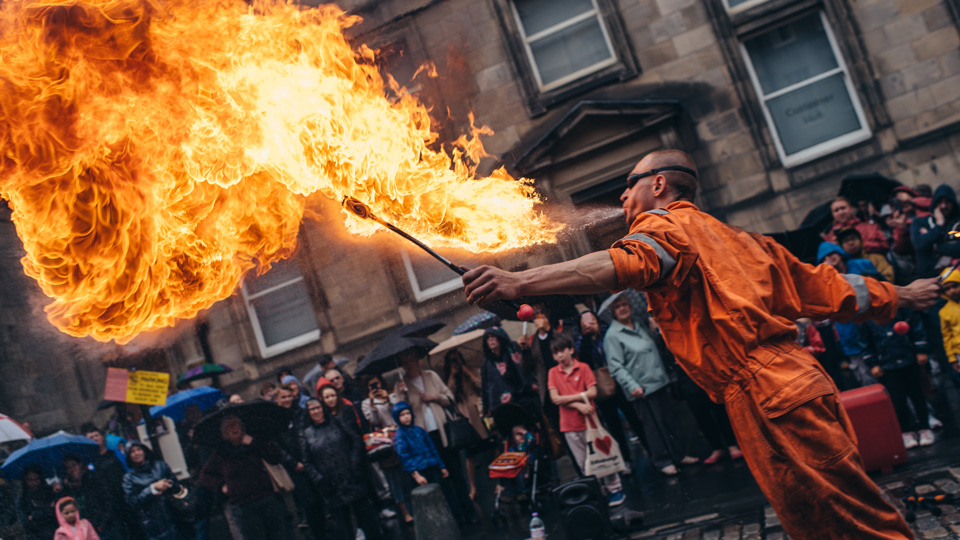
(154, 153)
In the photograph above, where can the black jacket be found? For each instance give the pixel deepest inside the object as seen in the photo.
(37, 515)
(935, 245)
(97, 501)
(154, 514)
(333, 459)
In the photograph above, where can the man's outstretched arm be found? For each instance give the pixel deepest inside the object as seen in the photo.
(590, 274)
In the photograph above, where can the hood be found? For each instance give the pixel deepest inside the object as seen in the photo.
(501, 335)
(63, 522)
(148, 454)
(827, 248)
(291, 378)
(944, 191)
(950, 274)
(398, 408)
(321, 382)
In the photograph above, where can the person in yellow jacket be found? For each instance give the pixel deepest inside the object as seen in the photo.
(950, 315)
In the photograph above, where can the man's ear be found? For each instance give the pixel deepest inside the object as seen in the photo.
(659, 185)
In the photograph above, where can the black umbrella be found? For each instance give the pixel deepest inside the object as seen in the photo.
(803, 242)
(418, 329)
(818, 218)
(260, 419)
(104, 405)
(388, 352)
(872, 187)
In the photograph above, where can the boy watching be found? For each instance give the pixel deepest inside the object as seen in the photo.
(572, 385)
(950, 316)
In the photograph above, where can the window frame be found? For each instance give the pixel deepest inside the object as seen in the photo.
(749, 4)
(269, 351)
(547, 32)
(422, 295)
(824, 148)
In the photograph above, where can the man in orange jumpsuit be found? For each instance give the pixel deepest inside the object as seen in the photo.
(725, 300)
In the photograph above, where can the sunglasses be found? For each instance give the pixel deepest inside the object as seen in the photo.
(634, 178)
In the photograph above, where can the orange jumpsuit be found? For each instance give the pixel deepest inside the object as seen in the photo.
(726, 301)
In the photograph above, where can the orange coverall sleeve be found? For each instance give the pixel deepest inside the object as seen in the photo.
(823, 293)
(656, 252)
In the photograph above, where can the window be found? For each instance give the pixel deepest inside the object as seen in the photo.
(736, 6)
(429, 277)
(805, 90)
(564, 39)
(280, 309)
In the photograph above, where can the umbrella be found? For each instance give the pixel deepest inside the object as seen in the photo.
(484, 319)
(204, 397)
(470, 346)
(260, 419)
(411, 336)
(11, 430)
(106, 404)
(48, 453)
(637, 301)
(418, 329)
(872, 187)
(203, 371)
(819, 218)
(388, 351)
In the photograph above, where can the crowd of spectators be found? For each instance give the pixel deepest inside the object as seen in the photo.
(341, 486)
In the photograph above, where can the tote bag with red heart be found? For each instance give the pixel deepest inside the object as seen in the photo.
(603, 452)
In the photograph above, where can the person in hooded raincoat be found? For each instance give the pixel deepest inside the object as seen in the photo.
(144, 486)
(726, 301)
(72, 526)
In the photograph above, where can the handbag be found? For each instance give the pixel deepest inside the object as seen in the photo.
(185, 505)
(606, 386)
(279, 477)
(459, 431)
(603, 452)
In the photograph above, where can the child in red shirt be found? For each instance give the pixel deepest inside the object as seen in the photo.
(569, 382)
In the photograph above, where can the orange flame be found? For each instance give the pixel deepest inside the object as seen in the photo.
(152, 155)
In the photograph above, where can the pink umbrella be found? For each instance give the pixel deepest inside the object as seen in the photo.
(11, 430)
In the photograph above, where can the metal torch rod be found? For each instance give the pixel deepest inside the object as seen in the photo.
(363, 211)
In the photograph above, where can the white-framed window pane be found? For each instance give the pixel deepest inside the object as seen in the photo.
(573, 49)
(538, 15)
(814, 114)
(285, 313)
(430, 278)
(791, 53)
(280, 309)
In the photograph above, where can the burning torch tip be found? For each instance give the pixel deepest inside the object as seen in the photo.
(357, 207)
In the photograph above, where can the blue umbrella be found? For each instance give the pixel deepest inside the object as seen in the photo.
(48, 453)
(484, 319)
(204, 397)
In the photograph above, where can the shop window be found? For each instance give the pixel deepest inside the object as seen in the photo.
(280, 309)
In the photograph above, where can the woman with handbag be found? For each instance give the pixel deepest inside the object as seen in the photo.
(431, 403)
(589, 349)
(334, 460)
(145, 488)
(466, 388)
(239, 469)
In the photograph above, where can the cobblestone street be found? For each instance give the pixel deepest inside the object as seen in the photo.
(931, 522)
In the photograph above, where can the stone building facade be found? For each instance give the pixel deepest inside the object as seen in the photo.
(777, 100)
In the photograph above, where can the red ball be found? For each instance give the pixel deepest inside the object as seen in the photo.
(525, 313)
(901, 327)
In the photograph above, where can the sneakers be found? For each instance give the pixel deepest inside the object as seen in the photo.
(735, 452)
(910, 440)
(616, 499)
(926, 437)
(689, 460)
(935, 423)
(669, 470)
(387, 513)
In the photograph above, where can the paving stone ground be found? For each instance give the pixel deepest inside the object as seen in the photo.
(936, 519)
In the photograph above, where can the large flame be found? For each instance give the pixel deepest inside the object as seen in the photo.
(152, 154)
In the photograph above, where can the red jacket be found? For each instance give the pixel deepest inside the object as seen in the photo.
(873, 239)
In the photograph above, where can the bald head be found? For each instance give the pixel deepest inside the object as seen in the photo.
(681, 185)
(647, 190)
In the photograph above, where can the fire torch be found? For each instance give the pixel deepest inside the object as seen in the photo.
(362, 211)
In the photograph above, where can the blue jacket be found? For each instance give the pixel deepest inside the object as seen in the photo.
(885, 348)
(413, 444)
(849, 333)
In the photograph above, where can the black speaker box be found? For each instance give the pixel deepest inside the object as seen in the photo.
(584, 514)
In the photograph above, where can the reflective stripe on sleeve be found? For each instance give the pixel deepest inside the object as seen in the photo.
(658, 211)
(667, 263)
(860, 288)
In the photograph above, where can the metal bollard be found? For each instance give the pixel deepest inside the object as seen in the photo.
(432, 518)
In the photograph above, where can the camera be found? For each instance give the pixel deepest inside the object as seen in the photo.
(375, 385)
